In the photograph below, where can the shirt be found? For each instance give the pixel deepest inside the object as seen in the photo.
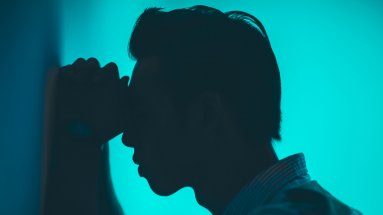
(255, 198)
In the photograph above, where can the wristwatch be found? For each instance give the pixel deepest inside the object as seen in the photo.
(81, 131)
(79, 128)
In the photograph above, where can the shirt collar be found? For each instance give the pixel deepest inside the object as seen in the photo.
(265, 185)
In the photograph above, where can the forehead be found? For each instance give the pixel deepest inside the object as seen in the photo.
(145, 69)
(144, 80)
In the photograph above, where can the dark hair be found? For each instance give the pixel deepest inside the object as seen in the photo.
(200, 49)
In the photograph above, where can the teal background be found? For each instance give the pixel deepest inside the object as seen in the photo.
(329, 53)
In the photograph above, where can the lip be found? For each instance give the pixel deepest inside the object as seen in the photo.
(136, 160)
(141, 171)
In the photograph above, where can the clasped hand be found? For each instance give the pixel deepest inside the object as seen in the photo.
(94, 95)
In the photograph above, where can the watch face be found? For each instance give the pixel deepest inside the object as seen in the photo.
(79, 128)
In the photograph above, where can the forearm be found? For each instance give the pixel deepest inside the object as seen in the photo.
(73, 186)
(106, 198)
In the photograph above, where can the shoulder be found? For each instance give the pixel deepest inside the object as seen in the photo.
(309, 198)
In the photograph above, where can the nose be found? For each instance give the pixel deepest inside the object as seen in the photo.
(131, 136)
(130, 139)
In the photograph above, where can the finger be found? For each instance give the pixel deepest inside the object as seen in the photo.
(70, 69)
(123, 87)
(93, 60)
(87, 70)
(74, 67)
(123, 82)
(124, 91)
(109, 71)
(63, 71)
(64, 68)
(79, 62)
(65, 74)
(97, 80)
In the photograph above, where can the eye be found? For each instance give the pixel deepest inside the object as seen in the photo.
(139, 116)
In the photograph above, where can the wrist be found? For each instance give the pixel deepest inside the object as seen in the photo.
(80, 131)
(74, 177)
(76, 164)
(75, 153)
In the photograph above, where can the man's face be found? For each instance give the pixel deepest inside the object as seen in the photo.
(166, 150)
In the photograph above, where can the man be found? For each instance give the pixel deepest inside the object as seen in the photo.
(201, 111)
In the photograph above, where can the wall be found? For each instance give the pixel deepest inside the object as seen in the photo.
(29, 55)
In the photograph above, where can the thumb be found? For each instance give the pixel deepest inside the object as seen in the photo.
(123, 83)
(123, 89)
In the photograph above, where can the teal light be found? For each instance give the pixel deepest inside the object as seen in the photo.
(329, 54)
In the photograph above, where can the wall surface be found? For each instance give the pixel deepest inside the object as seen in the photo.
(29, 53)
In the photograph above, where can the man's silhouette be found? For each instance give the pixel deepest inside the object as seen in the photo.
(204, 110)
(206, 150)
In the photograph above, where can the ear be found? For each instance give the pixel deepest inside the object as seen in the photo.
(211, 113)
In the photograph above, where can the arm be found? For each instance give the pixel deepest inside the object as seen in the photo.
(72, 185)
(88, 109)
(106, 198)
(80, 182)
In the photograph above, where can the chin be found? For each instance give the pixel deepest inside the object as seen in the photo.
(163, 189)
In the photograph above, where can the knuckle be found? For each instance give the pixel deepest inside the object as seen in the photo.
(112, 65)
(79, 61)
(63, 69)
(93, 60)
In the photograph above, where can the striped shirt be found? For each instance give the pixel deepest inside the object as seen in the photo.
(288, 172)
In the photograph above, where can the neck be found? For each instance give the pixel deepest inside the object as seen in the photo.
(229, 172)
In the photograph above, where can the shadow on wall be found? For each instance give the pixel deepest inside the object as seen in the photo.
(49, 129)
(29, 54)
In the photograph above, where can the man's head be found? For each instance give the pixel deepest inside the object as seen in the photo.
(206, 84)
